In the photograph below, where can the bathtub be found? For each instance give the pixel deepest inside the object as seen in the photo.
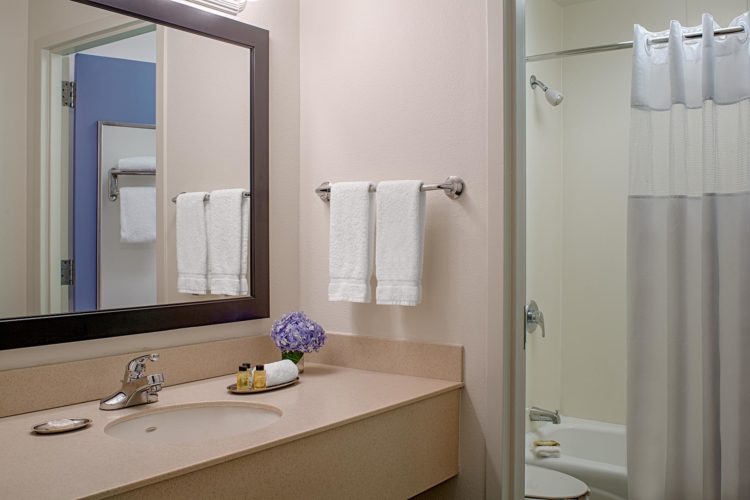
(593, 452)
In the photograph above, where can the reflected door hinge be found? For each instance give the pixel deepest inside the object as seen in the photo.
(67, 272)
(69, 94)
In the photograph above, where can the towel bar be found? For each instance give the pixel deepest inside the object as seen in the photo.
(452, 186)
(207, 197)
(114, 187)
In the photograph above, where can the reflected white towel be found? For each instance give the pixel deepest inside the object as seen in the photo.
(192, 249)
(351, 241)
(138, 214)
(399, 242)
(228, 214)
(547, 451)
(280, 372)
(137, 163)
(245, 208)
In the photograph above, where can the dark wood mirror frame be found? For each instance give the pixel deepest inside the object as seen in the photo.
(53, 329)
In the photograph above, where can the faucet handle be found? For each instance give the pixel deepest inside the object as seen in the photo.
(534, 317)
(137, 366)
(155, 382)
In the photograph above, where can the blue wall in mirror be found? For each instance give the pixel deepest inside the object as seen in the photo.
(107, 89)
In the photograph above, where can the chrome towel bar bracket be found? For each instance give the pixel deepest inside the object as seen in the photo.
(207, 197)
(453, 187)
(114, 173)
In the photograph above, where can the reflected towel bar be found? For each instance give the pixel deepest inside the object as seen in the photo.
(207, 197)
(452, 187)
(114, 186)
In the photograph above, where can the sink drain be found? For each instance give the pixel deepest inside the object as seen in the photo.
(150, 429)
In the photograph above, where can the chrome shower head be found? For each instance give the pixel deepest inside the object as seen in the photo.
(553, 96)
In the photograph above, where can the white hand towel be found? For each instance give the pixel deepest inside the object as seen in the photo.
(138, 214)
(137, 163)
(351, 242)
(547, 451)
(245, 207)
(399, 242)
(280, 372)
(192, 245)
(227, 215)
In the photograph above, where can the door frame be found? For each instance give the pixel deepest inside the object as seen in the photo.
(514, 249)
(53, 143)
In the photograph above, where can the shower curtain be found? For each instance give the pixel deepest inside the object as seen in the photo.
(689, 266)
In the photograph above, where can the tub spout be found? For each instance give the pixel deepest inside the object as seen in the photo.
(541, 415)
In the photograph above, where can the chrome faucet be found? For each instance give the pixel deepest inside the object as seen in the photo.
(137, 387)
(537, 414)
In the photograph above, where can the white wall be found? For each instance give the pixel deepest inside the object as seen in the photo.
(136, 48)
(581, 367)
(203, 132)
(13, 84)
(398, 90)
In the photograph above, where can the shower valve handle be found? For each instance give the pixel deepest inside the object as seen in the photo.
(534, 318)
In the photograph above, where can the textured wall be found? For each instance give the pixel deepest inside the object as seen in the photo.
(398, 90)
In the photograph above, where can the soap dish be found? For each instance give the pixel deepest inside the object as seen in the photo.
(233, 388)
(61, 425)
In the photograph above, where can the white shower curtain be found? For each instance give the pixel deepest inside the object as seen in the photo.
(689, 267)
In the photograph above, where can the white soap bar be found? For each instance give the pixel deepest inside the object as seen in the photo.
(64, 422)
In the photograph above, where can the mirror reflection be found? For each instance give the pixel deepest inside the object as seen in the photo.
(105, 120)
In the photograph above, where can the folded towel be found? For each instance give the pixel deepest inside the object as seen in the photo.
(546, 442)
(227, 267)
(281, 372)
(192, 247)
(399, 242)
(547, 451)
(351, 241)
(137, 163)
(138, 214)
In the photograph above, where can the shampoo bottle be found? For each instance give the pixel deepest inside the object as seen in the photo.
(259, 377)
(242, 379)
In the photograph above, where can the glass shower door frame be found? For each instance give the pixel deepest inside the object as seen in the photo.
(514, 250)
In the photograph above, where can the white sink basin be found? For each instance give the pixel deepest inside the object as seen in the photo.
(193, 423)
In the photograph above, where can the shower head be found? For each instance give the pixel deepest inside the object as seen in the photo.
(553, 96)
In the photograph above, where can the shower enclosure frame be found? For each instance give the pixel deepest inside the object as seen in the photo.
(514, 249)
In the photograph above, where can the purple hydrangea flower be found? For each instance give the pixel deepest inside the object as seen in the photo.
(295, 332)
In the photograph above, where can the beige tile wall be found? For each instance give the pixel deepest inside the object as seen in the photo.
(544, 205)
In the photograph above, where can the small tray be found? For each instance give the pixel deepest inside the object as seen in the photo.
(61, 425)
(233, 388)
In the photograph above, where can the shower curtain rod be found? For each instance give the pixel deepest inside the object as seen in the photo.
(627, 45)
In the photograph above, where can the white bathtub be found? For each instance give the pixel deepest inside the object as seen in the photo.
(594, 452)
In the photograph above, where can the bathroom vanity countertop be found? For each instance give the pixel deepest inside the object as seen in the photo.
(89, 462)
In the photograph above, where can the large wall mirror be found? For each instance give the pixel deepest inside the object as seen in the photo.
(110, 110)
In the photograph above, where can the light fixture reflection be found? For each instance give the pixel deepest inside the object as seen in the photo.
(232, 7)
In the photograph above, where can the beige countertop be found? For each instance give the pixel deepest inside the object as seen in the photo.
(89, 462)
